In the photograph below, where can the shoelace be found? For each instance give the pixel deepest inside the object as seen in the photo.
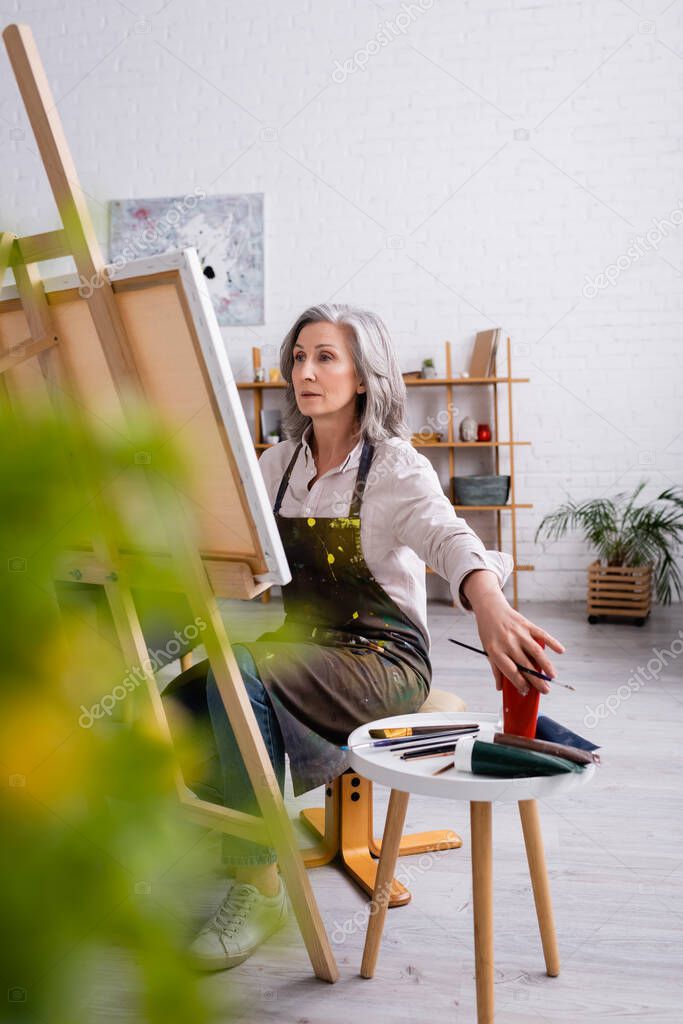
(233, 911)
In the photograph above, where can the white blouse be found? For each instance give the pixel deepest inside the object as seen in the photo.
(406, 519)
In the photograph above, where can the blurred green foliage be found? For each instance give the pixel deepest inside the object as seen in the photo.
(95, 854)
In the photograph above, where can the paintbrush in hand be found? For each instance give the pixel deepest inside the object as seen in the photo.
(522, 668)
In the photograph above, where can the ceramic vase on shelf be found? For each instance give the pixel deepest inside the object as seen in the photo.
(468, 429)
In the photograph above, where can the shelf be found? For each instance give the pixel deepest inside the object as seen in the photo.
(468, 444)
(435, 381)
(429, 382)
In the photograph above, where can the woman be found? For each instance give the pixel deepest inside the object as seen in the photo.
(359, 512)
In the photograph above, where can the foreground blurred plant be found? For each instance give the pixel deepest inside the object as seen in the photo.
(91, 826)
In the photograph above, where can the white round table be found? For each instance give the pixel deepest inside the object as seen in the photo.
(406, 777)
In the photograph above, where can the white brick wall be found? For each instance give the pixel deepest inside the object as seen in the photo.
(515, 149)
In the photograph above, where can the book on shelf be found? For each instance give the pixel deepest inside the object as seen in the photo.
(483, 358)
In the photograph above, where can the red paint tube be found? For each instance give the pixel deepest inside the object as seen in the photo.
(520, 712)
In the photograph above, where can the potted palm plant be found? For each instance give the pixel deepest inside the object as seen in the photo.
(635, 545)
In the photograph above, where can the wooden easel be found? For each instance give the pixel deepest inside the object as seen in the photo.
(202, 578)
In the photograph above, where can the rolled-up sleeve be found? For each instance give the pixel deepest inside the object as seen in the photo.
(424, 519)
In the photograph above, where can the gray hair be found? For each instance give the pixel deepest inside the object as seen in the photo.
(381, 409)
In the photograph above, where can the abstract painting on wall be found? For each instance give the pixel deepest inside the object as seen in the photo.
(226, 230)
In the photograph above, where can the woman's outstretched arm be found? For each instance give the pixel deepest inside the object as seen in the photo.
(507, 636)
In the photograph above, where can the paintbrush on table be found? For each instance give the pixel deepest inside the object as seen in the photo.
(442, 740)
(444, 750)
(397, 732)
(435, 733)
(522, 668)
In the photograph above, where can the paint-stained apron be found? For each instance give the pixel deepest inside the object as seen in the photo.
(322, 674)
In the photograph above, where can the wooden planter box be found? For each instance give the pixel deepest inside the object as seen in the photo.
(619, 590)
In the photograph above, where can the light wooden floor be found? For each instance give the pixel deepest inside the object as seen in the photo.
(614, 853)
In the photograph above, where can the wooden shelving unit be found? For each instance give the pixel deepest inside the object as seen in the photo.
(497, 384)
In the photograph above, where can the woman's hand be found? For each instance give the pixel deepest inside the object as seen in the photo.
(507, 636)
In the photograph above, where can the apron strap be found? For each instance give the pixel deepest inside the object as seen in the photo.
(359, 488)
(365, 460)
(285, 480)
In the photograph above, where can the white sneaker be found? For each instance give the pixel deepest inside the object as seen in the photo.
(243, 921)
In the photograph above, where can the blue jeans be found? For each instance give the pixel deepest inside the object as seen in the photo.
(225, 777)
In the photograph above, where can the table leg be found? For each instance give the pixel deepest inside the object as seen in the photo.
(393, 830)
(533, 841)
(482, 898)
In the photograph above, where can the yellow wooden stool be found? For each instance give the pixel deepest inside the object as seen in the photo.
(344, 825)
